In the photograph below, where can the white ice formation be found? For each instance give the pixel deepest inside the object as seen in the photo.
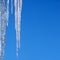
(18, 7)
(4, 17)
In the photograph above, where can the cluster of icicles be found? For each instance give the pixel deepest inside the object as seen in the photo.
(18, 7)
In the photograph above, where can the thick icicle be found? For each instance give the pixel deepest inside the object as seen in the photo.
(18, 7)
(2, 28)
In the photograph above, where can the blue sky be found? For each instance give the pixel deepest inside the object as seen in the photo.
(40, 31)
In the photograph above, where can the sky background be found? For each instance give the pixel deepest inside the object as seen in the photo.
(40, 31)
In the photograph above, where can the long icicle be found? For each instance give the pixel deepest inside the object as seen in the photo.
(18, 7)
(2, 28)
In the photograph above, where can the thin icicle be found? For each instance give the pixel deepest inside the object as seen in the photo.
(7, 11)
(15, 3)
(18, 7)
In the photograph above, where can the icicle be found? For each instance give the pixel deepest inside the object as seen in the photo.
(18, 7)
(7, 11)
(2, 28)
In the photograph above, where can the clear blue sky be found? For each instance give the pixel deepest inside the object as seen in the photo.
(40, 31)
